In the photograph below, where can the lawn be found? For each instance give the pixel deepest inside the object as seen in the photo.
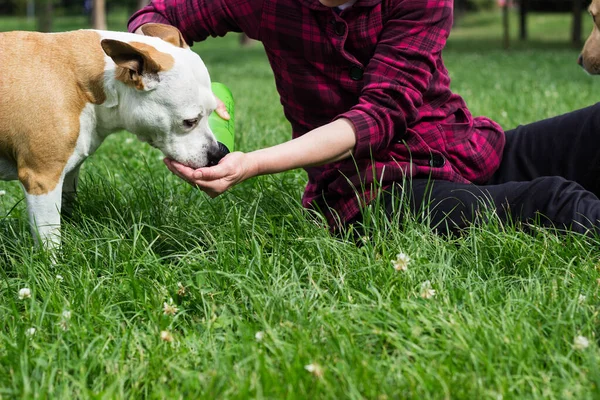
(266, 303)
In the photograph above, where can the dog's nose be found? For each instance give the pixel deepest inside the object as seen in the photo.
(580, 60)
(215, 156)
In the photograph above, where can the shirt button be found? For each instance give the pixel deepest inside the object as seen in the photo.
(437, 161)
(339, 28)
(356, 73)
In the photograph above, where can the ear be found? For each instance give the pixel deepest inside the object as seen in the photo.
(167, 33)
(136, 66)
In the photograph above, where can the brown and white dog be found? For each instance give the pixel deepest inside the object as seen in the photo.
(62, 94)
(589, 58)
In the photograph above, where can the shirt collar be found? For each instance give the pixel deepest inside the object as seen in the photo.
(316, 5)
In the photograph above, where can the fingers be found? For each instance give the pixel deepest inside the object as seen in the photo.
(180, 170)
(210, 173)
(204, 179)
(231, 170)
(222, 110)
(171, 167)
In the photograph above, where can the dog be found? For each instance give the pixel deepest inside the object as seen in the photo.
(62, 94)
(589, 58)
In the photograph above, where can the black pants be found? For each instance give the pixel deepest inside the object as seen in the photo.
(549, 174)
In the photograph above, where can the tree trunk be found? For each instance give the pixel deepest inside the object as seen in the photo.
(245, 41)
(142, 3)
(523, 25)
(576, 28)
(505, 25)
(99, 15)
(30, 10)
(44, 16)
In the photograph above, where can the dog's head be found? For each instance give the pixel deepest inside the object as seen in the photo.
(589, 58)
(165, 94)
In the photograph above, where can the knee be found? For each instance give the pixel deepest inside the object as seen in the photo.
(556, 190)
(554, 184)
(563, 201)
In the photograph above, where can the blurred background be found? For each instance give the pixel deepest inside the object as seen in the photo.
(50, 15)
(512, 60)
(508, 22)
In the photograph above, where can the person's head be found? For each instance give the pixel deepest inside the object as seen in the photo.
(333, 3)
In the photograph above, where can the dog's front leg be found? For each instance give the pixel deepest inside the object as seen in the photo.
(44, 214)
(69, 193)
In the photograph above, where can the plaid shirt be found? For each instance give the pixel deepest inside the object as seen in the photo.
(378, 64)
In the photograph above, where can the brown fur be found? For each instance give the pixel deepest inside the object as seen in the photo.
(167, 33)
(135, 60)
(46, 80)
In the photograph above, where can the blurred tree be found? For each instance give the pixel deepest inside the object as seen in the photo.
(142, 3)
(30, 9)
(245, 40)
(574, 6)
(45, 10)
(99, 15)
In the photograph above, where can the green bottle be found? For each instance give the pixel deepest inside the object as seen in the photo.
(223, 129)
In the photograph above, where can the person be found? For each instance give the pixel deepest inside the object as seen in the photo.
(367, 94)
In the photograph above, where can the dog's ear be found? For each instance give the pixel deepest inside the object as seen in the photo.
(138, 64)
(167, 33)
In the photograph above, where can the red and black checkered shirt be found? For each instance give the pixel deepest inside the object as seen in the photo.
(378, 64)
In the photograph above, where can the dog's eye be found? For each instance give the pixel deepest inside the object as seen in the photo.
(190, 123)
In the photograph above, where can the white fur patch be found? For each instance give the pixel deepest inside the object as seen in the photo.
(44, 216)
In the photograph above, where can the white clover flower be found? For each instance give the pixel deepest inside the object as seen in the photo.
(314, 369)
(581, 342)
(170, 308)
(129, 140)
(60, 278)
(2, 192)
(401, 262)
(30, 332)
(259, 336)
(181, 290)
(24, 293)
(64, 321)
(426, 291)
(582, 298)
(64, 325)
(166, 336)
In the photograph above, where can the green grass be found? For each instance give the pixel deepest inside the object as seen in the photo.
(502, 324)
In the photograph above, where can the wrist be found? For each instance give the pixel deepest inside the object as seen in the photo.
(253, 165)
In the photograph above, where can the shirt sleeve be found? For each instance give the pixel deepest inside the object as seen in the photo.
(400, 71)
(198, 19)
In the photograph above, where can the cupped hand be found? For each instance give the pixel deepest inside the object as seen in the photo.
(232, 169)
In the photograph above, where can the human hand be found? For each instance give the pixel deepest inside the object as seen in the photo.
(222, 110)
(232, 169)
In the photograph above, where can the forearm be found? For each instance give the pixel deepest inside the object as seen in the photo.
(328, 143)
(199, 19)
